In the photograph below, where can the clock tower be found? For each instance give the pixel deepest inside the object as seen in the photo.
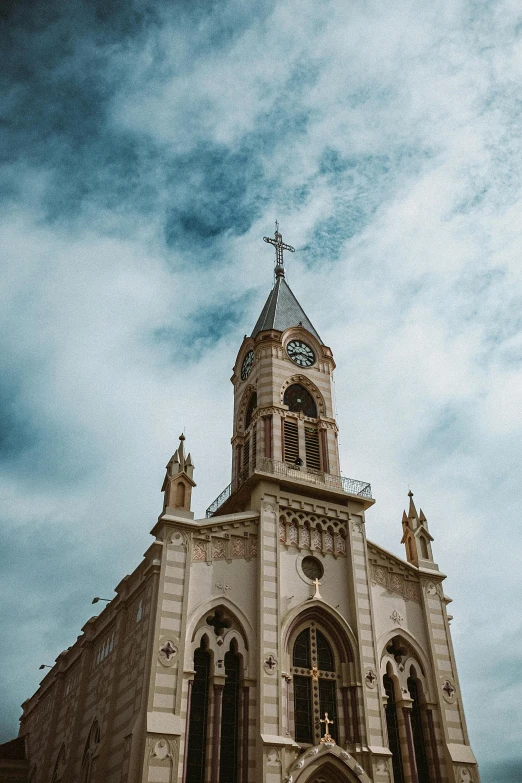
(283, 396)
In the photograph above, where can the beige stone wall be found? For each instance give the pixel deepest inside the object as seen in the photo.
(100, 678)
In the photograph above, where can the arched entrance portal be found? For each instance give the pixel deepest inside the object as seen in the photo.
(327, 765)
(327, 774)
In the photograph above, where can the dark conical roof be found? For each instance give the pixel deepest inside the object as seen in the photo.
(282, 310)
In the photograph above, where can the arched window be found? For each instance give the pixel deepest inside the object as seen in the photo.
(300, 400)
(252, 405)
(315, 687)
(180, 494)
(229, 746)
(197, 741)
(424, 548)
(59, 766)
(417, 731)
(90, 754)
(393, 730)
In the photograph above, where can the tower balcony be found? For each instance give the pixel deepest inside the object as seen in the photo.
(301, 474)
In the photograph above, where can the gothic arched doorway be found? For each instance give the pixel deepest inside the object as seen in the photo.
(331, 771)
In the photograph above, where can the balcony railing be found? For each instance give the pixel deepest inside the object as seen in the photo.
(316, 477)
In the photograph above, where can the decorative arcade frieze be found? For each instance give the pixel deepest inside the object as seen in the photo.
(227, 547)
(312, 532)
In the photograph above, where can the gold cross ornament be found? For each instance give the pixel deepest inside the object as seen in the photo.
(327, 724)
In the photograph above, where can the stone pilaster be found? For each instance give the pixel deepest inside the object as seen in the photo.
(371, 724)
(450, 735)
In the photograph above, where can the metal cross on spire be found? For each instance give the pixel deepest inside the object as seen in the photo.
(279, 245)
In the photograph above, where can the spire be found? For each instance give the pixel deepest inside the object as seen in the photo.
(416, 538)
(412, 511)
(282, 309)
(178, 482)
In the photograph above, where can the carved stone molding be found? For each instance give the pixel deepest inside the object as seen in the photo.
(273, 756)
(179, 539)
(225, 547)
(397, 618)
(312, 532)
(396, 583)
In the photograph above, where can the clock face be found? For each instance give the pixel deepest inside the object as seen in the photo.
(248, 361)
(300, 353)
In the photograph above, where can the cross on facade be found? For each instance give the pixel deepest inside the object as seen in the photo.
(168, 649)
(271, 662)
(316, 583)
(448, 689)
(371, 677)
(327, 724)
(279, 245)
(218, 622)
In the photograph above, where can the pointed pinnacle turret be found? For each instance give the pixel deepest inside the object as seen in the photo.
(416, 537)
(179, 481)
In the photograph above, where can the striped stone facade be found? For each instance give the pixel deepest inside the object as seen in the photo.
(283, 553)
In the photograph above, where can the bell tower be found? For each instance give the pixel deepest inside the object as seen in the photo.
(283, 397)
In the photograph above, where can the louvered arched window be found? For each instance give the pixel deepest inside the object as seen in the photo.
(299, 400)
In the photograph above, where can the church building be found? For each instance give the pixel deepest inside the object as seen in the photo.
(271, 641)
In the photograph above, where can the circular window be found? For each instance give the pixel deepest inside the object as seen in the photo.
(312, 567)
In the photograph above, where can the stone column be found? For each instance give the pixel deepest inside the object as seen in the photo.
(433, 747)
(410, 770)
(218, 686)
(244, 734)
(190, 683)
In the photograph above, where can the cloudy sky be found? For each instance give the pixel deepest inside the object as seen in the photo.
(146, 149)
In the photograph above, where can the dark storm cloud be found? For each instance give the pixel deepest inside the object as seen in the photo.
(64, 65)
(187, 343)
